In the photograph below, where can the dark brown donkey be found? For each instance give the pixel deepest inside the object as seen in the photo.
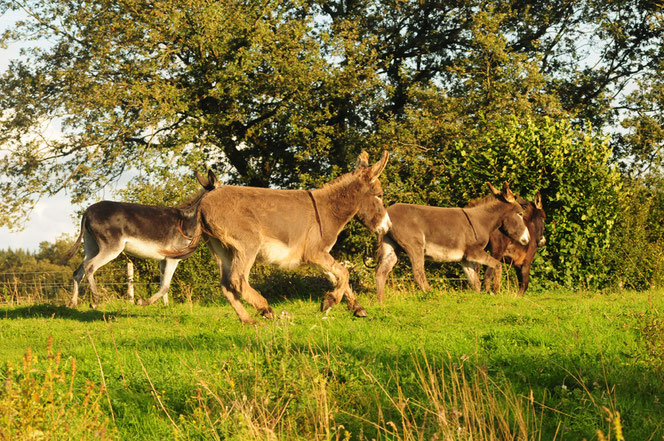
(140, 230)
(510, 251)
(449, 235)
(289, 228)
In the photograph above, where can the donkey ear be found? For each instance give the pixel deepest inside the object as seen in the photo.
(507, 193)
(538, 200)
(379, 166)
(206, 183)
(212, 179)
(363, 160)
(493, 189)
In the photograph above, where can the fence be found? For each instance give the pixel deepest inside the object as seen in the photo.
(56, 286)
(19, 287)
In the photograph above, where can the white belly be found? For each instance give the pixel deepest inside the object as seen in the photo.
(274, 251)
(442, 254)
(146, 250)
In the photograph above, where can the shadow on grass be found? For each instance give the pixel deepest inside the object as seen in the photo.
(46, 310)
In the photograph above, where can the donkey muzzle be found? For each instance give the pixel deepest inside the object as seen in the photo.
(384, 225)
(525, 237)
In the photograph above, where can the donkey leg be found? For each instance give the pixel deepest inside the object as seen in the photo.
(104, 256)
(91, 249)
(478, 256)
(523, 275)
(231, 280)
(387, 258)
(338, 275)
(78, 275)
(492, 278)
(166, 268)
(416, 255)
(471, 274)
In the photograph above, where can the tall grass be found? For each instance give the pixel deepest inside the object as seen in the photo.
(38, 400)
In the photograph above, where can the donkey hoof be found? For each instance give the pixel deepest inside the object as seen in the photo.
(268, 314)
(326, 305)
(94, 305)
(141, 302)
(360, 312)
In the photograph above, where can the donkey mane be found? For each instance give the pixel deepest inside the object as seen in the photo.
(341, 189)
(481, 201)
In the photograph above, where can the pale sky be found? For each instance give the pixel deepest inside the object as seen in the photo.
(52, 216)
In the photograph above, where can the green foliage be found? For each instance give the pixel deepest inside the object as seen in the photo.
(38, 400)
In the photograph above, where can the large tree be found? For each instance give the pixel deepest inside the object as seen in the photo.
(259, 90)
(284, 92)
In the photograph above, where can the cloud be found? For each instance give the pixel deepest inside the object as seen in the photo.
(51, 218)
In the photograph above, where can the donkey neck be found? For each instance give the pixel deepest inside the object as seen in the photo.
(187, 212)
(489, 214)
(338, 202)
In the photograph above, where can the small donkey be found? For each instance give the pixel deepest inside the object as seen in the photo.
(508, 250)
(448, 234)
(140, 230)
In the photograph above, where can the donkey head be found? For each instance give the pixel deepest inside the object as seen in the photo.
(536, 216)
(512, 220)
(371, 210)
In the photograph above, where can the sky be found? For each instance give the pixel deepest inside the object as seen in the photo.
(52, 216)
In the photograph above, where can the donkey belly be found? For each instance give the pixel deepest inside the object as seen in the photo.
(277, 252)
(442, 254)
(144, 249)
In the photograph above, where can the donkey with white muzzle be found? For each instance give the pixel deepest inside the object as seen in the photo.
(449, 234)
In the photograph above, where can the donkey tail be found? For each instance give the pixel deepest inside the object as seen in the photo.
(193, 243)
(69, 254)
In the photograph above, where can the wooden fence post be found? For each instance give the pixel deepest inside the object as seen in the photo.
(130, 280)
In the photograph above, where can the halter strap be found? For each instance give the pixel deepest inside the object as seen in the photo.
(471, 224)
(313, 200)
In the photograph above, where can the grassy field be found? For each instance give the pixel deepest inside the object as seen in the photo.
(436, 366)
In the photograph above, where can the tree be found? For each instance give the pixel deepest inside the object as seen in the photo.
(248, 87)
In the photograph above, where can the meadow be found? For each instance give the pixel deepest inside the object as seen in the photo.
(445, 365)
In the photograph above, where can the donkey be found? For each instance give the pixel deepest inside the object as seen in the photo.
(449, 235)
(140, 230)
(288, 228)
(520, 256)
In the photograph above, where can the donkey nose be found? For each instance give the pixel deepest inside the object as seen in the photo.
(541, 242)
(525, 237)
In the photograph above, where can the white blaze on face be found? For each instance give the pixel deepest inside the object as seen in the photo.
(525, 237)
(384, 225)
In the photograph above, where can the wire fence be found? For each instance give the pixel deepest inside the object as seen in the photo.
(56, 286)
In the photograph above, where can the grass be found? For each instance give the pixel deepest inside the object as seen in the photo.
(436, 366)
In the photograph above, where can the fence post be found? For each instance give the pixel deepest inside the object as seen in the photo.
(130, 280)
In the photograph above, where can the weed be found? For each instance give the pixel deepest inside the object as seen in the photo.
(38, 400)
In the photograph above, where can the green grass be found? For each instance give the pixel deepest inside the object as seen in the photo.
(441, 365)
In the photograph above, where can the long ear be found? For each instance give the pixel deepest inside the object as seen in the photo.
(538, 201)
(493, 189)
(507, 193)
(379, 166)
(205, 182)
(362, 160)
(212, 179)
